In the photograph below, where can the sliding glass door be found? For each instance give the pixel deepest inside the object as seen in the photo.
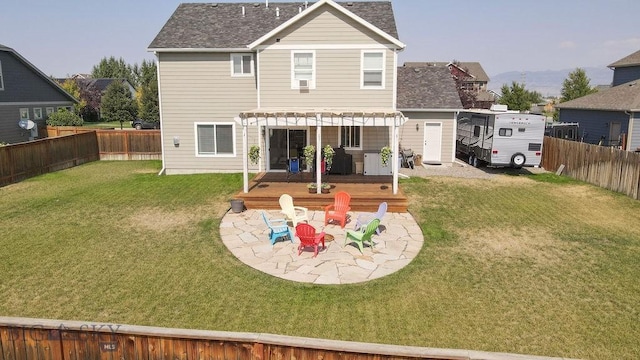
(284, 144)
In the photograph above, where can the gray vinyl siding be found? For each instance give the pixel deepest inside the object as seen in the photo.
(412, 139)
(22, 84)
(198, 87)
(634, 133)
(625, 74)
(10, 132)
(594, 124)
(340, 43)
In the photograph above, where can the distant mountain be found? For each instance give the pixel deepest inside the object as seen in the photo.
(549, 82)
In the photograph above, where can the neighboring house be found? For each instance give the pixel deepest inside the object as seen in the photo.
(101, 84)
(472, 78)
(428, 97)
(609, 116)
(26, 93)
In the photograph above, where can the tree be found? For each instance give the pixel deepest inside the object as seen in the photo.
(517, 97)
(118, 104)
(115, 68)
(576, 85)
(64, 118)
(148, 92)
(71, 86)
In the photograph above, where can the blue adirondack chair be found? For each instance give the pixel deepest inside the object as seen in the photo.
(278, 228)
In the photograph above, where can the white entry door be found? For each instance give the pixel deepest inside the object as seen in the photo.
(432, 150)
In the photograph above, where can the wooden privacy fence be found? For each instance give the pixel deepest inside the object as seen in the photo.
(119, 144)
(24, 160)
(607, 167)
(27, 339)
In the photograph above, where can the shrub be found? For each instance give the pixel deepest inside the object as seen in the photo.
(64, 118)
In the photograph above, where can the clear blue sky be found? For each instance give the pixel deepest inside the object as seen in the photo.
(71, 36)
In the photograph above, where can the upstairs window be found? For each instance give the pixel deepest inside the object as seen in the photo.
(303, 66)
(1, 77)
(372, 70)
(215, 139)
(351, 137)
(241, 64)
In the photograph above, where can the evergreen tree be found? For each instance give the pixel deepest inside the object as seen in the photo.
(517, 97)
(114, 69)
(148, 101)
(576, 85)
(118, 104)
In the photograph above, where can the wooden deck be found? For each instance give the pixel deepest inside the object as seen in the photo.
(367, 192)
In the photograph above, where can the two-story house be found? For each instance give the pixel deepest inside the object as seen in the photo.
(277, 75)
(27, 95)
(610, 116)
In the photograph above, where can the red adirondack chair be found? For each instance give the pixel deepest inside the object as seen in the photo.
(308, 238)
(338, 210)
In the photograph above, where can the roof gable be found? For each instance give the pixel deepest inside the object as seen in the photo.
(215, 26)
(37, 71)
(629, 60)
(625, 97)
(426, 87)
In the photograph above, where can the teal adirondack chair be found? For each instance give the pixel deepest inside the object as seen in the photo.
(362, 235)
(277, 229)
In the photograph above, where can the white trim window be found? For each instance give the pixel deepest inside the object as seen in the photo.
(303, 67)
(215, 139)
(49, 111)
(37, 113)
(1, 77)
(372, 75)
(351, 137)
(242, 65)
(24, 113)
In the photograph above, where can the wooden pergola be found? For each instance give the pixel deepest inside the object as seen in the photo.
(319, 118)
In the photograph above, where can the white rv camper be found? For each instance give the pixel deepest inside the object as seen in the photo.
(499, 137)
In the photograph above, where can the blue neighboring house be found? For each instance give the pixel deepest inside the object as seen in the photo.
(26, 93)
(609, 115)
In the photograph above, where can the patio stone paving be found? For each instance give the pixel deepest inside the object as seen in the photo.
(247, 237)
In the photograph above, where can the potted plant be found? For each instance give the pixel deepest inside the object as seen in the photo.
(385, 154)
(309, 152)
(328, 154)
(312, 187)
(254, 154)
(325, 187)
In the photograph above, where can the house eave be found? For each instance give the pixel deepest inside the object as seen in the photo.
(197, 50)
(429, 110)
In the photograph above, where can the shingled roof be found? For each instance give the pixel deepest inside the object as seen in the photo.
(625, 97)
(630, 60)
(426, 87)
(473, 68)
(222, 26)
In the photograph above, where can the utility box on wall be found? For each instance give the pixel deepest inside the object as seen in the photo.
(373, 164)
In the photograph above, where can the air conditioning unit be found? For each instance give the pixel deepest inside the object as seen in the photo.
(303, 84)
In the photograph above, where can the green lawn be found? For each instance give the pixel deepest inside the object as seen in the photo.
(532, 265)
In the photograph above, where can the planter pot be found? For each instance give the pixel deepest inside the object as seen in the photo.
(237, 205)
(325, 191)
(312, 190)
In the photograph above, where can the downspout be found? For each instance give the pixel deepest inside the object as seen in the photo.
(164, 168)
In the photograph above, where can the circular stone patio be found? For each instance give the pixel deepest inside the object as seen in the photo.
(247, 237)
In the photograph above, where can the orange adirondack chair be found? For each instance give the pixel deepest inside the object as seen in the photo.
(308, 238)
(338, 210)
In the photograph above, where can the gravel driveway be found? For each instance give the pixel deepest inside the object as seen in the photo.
(463, 170)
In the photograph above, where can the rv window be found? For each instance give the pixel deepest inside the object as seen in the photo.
(476, 131)
(521, 129)
(570, 134)
(505, 132)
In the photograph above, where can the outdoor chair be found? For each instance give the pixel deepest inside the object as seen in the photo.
(364, 219)
(364, 234)
(293, 213)
(308, 238)
(407, 158)
(338, 210)
(277, 228)
(293, 168)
